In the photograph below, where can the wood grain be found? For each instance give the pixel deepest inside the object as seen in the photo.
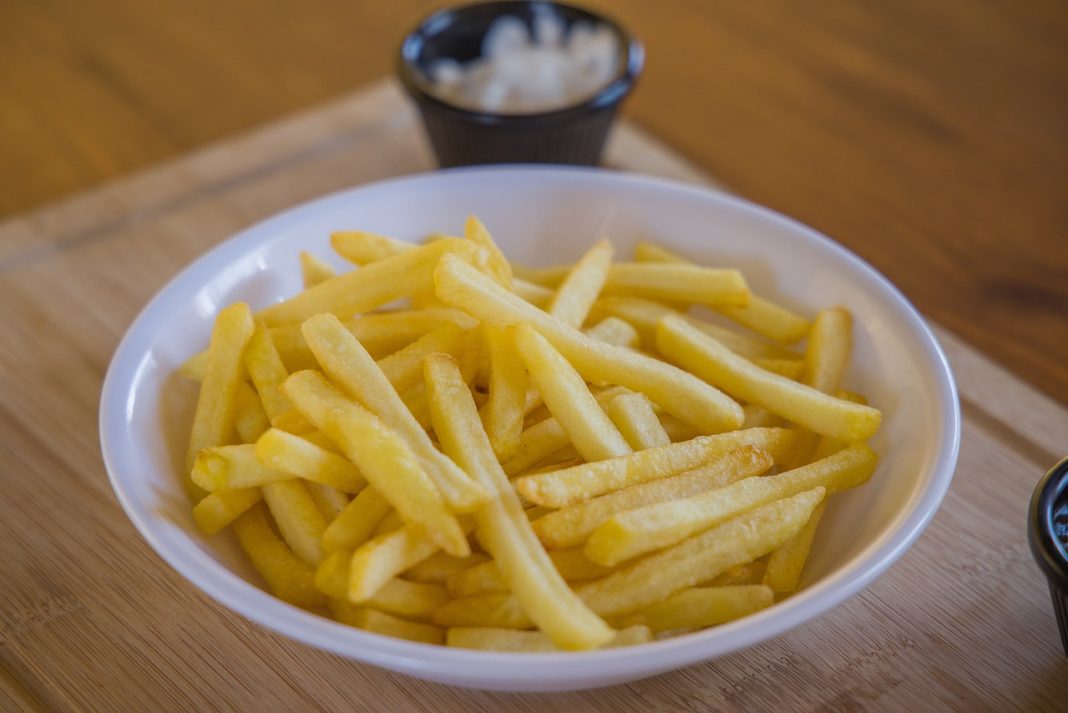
(928, 137)
(91, 619)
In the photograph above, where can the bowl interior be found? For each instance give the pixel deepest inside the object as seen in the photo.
(544, 216)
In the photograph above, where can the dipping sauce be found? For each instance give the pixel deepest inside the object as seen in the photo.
(524, 72)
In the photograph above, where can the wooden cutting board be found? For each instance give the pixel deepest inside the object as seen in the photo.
(92, 619)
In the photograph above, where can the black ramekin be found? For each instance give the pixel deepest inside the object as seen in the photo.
(575, 134)
(1051, 555)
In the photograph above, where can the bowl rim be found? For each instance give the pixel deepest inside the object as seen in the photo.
(524, 671)
(422, 90)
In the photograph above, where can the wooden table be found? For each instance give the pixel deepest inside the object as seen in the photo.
(931, 138)
(91, 618)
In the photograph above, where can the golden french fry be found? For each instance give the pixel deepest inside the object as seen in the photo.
(361, 247)
(502, 525)
(297, 456)
(496, 639)
(644, 314)
(819, 412)
(217, 510)
(545, 276)
(497, 264)
(572, 564)
(613, 330)
(635, 532)
(392, 521)
(827, 445)
(417, 600)
(213, 420)
(349, 365)
(752, 573)
(590, 430)
(633, 415)
(371, 286)
(786, 564)
(440, 566)
(789, 368)
(700, 607)
(379, 622)
(404, 369)
(250, 420)
(687, 397)
(502, 416)
(384, 557)
(497, 609)
(533, 293)
(298, 518)
(576, 294)
(289, 578)
(233, 467)
(265, 367)
(826, 356)
(356, 522)
(195, 366)
(701, 557)
(314, 270)
(762, 316)
(292, 421)
(383, 457)
(760, 417)
(330, 501)
(570, 526)
(572, 485)
(678, 282)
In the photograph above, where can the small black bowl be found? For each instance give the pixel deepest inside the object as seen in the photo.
(575, 134)
(1048, 525)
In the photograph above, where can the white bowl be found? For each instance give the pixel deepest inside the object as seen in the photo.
(542, 216)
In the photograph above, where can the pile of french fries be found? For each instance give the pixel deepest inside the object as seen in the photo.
(446, 447)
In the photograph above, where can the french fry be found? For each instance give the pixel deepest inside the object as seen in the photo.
(440, 566)
(314, 270)
(392, 521)
(827, 445)
(762, 316)
(678, 282)
(819, 412)
(826, 355)
(362, 248)
(571, 526)
(497, 264)
(497, 609)
(404, 369)
(533, 293)
(700, 607)
(502, 416)
(699, 558)
(371, 286)
(644, 314)
(416, 600)
(330, 501)
(635, 532)
(265, 367)
(298, 518)
(592, 433)
(217, 510)
(486, 577)
(633, 415)
(463, 286)
(383, 457)
(213, 420)
(495, 639)
(297, 456)
(616, 331)
(356, 522)
(384, 557)
(760, 417)
(545, 276)
(379, 622)
(195, 366)
(786, 564)
(250, 420)
(789, 368)
(348, 364)
(576, 294)
(572, 485)
(752, 573)
(233, 467)
(293, 422)
(502, 525)
(289, 578)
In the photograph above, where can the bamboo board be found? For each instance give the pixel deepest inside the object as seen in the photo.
(91, 618)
